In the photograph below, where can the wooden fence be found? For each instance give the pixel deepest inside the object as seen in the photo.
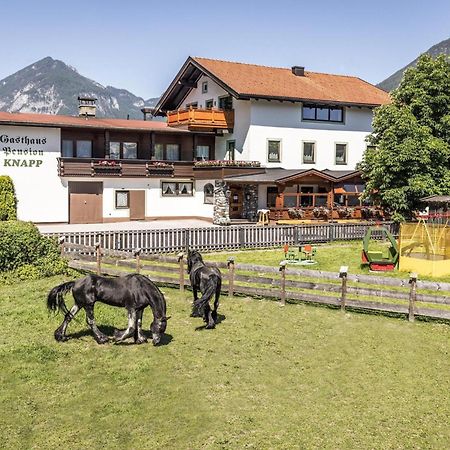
(346, 291)
(219, 238)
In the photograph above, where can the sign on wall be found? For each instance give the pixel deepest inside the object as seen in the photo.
(29, 155)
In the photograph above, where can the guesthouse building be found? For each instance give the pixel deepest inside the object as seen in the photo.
(236, 138)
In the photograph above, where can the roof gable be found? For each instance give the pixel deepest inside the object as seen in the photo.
(247, 81)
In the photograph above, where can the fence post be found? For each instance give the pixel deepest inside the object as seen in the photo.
(331, 235)
(137, 253)
(296, 235)
(241, 237)
(61, 246)
(181, 262)
(98, 253)
(230, 264)
(283, 283)
(343, 271)
(412, 296)
(186, 240)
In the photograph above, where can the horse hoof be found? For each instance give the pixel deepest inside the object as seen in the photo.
(61, 338)
(210, 327)
(102, 340)
(141, 341)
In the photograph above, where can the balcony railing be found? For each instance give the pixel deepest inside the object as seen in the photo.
(201, 119)
(139, 168)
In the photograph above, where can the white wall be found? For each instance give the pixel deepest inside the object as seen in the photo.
(155, 204)
(196, 95)
(276, 120)
(31, 161)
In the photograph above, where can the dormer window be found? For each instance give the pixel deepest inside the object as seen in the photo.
(322, 113)
(205, 87)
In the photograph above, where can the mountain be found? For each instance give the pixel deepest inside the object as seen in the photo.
(51, 86)
(393, 81)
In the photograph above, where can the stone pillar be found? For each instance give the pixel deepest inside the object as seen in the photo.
(250, 204)
(221, 203)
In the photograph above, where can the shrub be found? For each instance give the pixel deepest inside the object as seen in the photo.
(25, 254)
(8, 200)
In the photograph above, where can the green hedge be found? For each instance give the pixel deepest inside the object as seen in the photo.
(26, 254)
(8, 200)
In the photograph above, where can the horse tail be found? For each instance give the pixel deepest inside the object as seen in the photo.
(55, 298)
(210, 290)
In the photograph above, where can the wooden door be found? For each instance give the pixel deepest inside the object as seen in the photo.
(137, 205)
(236, 202)
(85, 202)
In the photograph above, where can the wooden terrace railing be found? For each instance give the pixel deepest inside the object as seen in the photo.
(201, 118)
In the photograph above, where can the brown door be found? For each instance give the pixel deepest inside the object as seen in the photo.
(137, 205)
(85, 202)
(236, 202)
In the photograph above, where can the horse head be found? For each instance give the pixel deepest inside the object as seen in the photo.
(158, 327)
(193, 258)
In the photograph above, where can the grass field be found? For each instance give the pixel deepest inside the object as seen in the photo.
(329, 257)
(266, 377)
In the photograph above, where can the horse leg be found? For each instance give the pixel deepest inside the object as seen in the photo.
(98, 335)
(216, 303)
(60, 333)
(129, 332)
(139, 337)
(207, 317)
(195, 311)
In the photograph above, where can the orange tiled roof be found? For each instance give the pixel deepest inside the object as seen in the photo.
(53, 120)
(262, 81)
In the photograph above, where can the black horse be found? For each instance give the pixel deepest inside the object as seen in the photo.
(134, 292)
(207, 280)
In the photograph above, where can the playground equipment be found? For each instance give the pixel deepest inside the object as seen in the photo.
(425, 247)
(383, 258)
(304, 256)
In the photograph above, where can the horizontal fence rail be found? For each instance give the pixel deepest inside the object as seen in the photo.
(410, 297)
(220, 238)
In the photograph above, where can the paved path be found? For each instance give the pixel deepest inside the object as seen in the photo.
(134, 225)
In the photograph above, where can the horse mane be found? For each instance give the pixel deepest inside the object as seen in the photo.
(194, 259)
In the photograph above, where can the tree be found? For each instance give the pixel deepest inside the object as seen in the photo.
(8, 200)
(409, 153)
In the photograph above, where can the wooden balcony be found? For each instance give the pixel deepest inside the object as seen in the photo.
(126, 168)
(139, 168)
(201, 119)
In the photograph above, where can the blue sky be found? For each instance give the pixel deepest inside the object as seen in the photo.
(139, 45)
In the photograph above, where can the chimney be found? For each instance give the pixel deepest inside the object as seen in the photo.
(298, 71)
(147, 111)
(87, 106)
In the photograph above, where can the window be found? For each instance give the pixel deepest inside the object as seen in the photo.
(192, 105)
(159, 152)
(84, 149)
(67, 149)
(273, 151)
(122, 199)
(202, 152)
(208, 192)
(172, 152)
(209, 104)
(341, 154)
(166, 152)
(226, 103)
(204, 87)
(182, 189)
(272, 192)
(231, 150)
(129, 150)
(309, 152)
(125, 150)
(114, 150)
(323, 113)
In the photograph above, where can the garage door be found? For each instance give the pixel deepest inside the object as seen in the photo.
(85, 202)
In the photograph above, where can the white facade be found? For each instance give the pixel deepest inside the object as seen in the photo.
(257, 121)
(29, 156)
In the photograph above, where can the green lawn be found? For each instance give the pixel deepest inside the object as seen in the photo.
(329, 257)
(266, 377)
